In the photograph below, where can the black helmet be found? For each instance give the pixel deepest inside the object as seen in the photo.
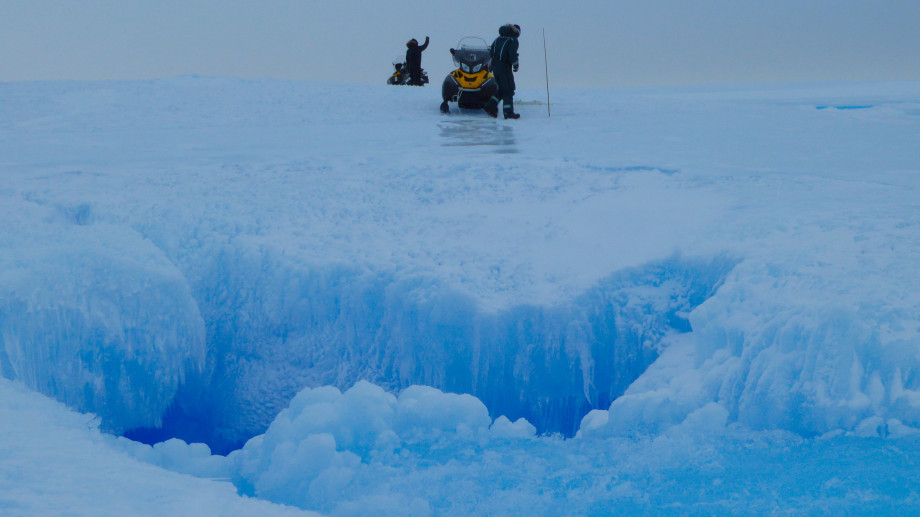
(510, 29)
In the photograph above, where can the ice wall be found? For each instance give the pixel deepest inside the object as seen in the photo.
(780, 350)
(207, 337)
(94, 315)
(275, 327)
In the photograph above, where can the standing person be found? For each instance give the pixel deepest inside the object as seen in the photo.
(504, 52)
(414, 60)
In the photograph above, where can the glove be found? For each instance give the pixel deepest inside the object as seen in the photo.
(514, 68)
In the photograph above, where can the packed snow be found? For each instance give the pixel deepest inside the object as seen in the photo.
(277, 298)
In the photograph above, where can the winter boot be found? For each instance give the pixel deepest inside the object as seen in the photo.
(511, 115)
(444, 107)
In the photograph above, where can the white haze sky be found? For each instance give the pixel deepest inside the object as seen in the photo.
(589, 43)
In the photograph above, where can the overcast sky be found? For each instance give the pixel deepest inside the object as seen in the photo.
(589, 43)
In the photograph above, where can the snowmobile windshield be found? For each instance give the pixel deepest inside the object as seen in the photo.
(472, 55)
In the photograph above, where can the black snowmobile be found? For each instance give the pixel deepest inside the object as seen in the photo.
(471, 85)
(401, 75)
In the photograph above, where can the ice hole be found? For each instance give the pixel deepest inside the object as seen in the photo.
(272, 331)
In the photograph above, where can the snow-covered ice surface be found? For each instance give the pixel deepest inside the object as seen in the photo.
(721, 281)
(54, 461)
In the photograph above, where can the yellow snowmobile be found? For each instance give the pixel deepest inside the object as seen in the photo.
(401, 74)
(471, 85)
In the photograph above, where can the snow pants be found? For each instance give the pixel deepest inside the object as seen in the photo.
(415, 77)
(504, 77)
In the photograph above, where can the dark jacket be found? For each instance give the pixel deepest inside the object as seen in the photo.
(414, 55)
(504, 52)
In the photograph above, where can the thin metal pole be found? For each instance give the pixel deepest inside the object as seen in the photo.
(546, 68)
